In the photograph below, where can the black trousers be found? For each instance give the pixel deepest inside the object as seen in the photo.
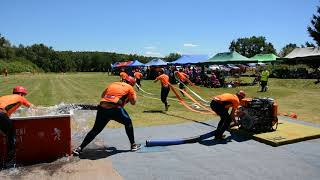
(181, 86)
(138, 82)
(164, 94)
(225, 117)
(263, 86)
(6, 126)
(103, 117)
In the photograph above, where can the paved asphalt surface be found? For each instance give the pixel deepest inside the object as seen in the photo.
(237, 158)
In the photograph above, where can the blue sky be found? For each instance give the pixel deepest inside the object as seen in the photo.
(154, 28)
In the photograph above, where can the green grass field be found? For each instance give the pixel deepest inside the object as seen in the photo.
(300, 96)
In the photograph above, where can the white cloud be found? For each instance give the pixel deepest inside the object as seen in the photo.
(190, 45)
(112, 50)
(150, 47)
(151, 53)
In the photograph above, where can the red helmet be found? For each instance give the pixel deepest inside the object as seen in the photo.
(130, 80)
(241, 94)
(19, 89)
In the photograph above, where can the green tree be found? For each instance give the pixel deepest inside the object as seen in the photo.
(287, 49)
(308, 44)
(251, 46)
(314, 28)
(6, 51)
(42, 56)
(20, 51)
(172, 57)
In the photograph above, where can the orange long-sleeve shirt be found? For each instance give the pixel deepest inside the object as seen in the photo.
(138, 75)
(123, 75)
(182, 76)
(118, 90)
(164, 80)
(231, 100)
(10, 103)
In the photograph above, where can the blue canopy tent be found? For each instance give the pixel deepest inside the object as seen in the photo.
(190, 59)
(156, 62)
(136, 63)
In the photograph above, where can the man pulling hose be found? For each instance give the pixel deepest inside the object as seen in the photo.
(182, 78)
(111, 107)
(165, 87)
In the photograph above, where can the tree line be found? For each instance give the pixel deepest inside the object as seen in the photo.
(39, 57)
(43, 58)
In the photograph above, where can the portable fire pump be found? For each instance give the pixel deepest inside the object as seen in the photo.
(258, 115)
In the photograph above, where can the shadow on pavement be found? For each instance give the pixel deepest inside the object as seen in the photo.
(99, 153)
(177, 116)
(239, 138)
(211, 142)
(206, 124)
(233, 136)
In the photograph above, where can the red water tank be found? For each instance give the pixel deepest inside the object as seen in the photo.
(40, 138)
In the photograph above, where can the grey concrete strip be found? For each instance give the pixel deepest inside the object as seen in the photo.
(285, 118)
(238, 158)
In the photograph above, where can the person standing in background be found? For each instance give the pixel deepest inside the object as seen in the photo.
(264, 79)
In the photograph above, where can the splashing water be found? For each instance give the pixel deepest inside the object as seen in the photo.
(80, 124)
(12, 171)
(59, 109)
(81, 116)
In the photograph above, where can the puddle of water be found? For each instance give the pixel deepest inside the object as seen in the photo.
(47, 168)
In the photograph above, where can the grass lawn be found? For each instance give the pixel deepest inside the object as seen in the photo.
(300, 96)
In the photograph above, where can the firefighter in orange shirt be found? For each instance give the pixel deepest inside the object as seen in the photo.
(8, 105)
(165, 89)
(123, 75)
(221, 104)
(138, 76)
(111, 107)
(182, 78)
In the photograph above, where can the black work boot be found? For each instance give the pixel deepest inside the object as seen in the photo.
(167, 107)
